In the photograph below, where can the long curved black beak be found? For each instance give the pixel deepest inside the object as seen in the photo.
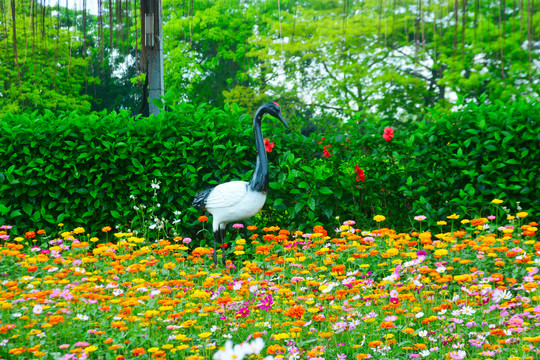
(280, 117)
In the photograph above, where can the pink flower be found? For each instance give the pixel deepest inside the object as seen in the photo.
(388, 133)
(238, 226)
(457, 355)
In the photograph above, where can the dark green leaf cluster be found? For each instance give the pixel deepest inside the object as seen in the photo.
(92, 170)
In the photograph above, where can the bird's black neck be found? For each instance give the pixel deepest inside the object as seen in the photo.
(259, 181)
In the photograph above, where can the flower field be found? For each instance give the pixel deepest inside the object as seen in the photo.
(465, 289)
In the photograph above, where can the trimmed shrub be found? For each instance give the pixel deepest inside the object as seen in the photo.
(92, 170)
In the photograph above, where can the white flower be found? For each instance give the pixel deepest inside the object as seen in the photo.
(425, 353)
(422, 333)
(37, 309)
(419, 315)
(82, 317)
(467, 310)
(117, 292)
(499, 295)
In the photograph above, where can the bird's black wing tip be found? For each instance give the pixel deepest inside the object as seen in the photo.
(199, 202)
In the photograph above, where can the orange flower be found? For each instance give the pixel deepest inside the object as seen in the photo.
(203, 218)
(275, 349)
(29, 234)
(497, 332)
(252, 227)
(138, 351)
(295, 311)
(375, 344)
(339, 269)
(387, 325)
(41, 232)
(106, 229)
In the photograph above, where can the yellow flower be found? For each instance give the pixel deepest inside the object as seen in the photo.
(497, 201)
(522, 214)
(204, 335)
(241, 241)
(379, 218)
(78, 230)
(94, 239)
(441, 252)
(453, 216)
(326, 335)
(441, 222)
(90, 349)
(169, 265)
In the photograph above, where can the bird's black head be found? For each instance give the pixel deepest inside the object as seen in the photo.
(273, 109)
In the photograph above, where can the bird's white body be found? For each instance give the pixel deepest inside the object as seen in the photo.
(240, 200)
(233, 201)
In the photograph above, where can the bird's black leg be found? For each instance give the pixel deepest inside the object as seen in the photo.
(216, 234)
(222, 232)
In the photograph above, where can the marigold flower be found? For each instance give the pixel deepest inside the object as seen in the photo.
(203, 218)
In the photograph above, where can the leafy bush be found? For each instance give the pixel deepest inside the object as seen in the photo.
(67, 168)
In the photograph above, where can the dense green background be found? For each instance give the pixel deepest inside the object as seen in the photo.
(323, 60)
(82, 169)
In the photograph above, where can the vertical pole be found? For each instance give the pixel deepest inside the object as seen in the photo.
(154, 53)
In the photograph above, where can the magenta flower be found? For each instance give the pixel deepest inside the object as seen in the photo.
(266, 302)
(243, 311)
(238, 226)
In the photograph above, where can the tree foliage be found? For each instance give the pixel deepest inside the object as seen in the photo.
(324, 60)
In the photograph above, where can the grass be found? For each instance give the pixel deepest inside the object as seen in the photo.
(466, 289)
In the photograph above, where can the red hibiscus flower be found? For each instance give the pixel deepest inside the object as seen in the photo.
(388, 133)
(360, 176)
(268, 145)
(325, 151)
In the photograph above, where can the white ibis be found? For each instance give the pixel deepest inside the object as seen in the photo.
(240, 200)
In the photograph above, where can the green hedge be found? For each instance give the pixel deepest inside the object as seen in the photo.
(83, 170)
